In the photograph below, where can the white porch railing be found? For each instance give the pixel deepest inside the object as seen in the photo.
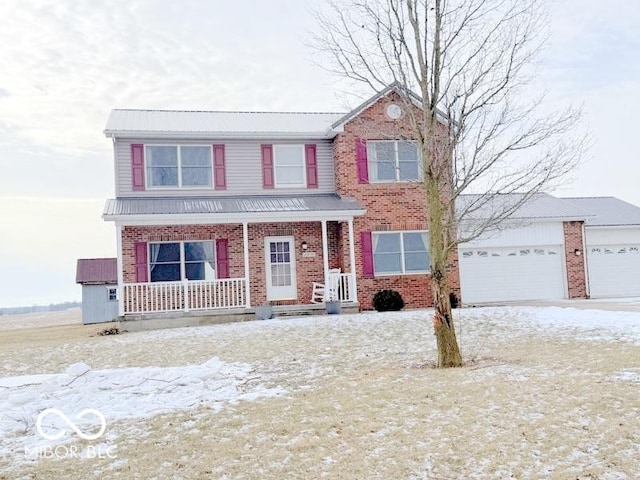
(344, 285)
(160, 297)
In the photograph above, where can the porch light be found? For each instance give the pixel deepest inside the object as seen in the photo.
(304, 245)
(577, 252)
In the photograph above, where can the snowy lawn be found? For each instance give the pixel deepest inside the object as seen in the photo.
(546, 393)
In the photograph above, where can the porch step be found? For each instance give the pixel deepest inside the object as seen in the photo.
(310, 309)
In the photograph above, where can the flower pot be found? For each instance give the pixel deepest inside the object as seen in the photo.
(333, 307)
(264, 312)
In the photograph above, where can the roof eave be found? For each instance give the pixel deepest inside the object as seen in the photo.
(151, 134)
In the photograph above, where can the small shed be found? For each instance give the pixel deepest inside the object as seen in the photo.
(99, 280)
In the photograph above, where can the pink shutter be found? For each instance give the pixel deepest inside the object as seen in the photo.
(267, 166)
(140, 251)
(361, 161)
(367, 254)
(312, 165)
(222, 258)
(219, 168)
(137, 166)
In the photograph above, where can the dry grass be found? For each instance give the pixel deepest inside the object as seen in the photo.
(361, 404)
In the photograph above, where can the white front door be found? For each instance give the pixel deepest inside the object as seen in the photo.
(280, 262)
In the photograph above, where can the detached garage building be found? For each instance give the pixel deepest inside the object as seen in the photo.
(537, 255)
(612, 246)
(98, 277)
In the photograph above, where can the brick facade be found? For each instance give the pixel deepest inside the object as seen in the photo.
(389, 206)
(576, 275)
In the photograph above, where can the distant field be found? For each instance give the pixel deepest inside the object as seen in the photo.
(40, 319)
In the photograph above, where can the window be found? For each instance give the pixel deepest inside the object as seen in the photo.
(172, 262)
(400, 253)
(178, 166)
(289, 163)
(112, 294)
(393, 161)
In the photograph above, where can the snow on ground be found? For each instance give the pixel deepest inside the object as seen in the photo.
(548, 392)
(121, 393)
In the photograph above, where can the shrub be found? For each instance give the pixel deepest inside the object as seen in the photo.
(388, 301)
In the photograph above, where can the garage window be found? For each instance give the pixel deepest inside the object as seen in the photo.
(400, 253)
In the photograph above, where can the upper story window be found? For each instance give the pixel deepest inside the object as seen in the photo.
(178, 166)
(400, 252)
(175, 261)
(393, 161)
(289, 166)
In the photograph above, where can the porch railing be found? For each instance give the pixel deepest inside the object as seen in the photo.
(344, 285)
(157, 297)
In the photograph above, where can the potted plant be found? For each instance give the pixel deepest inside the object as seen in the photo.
(264, 311)
(333, 304)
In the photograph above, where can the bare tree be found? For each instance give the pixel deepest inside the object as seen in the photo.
(475, 123)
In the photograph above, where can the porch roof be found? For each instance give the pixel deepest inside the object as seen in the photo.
(254, 209)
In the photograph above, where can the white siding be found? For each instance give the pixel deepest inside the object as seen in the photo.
(612, 236)
(243, 169)
(547, 233)
(96, 307)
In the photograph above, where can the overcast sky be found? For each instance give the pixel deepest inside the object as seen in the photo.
(64, 64)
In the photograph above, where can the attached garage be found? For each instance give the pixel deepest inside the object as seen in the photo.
(613, 247)
(523, 263)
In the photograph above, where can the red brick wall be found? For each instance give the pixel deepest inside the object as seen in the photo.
(575, 263)
(389, 206)
(308, 269)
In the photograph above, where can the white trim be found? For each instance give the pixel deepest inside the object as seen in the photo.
(403, 267)
(327, 134)
(220, 218)
(352, 261)
(396, 162)
(275, 147)
(183, 262)
(120, 271)
(245, 248)
(325, 252)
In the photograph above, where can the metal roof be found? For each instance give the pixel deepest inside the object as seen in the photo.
(97, 271)
(607, 211)
(122, 207)
(131, 123)
(540, 206)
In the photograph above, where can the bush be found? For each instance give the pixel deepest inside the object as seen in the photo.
(388, 301)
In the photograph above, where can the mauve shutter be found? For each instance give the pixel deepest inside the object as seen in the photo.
(367, 254)
(222, 258)
(140, 251)
(361, 160)
(312, 165)
(267, 166)
(137, 166)
(219, 168)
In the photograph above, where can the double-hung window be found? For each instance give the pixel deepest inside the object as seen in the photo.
(175, 261)
(289, 163)
(187, 166)
(393, 161)
(400, 252)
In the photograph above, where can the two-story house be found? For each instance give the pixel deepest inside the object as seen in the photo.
(230, 210)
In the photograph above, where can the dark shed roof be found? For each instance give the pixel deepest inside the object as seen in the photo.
(97, 271)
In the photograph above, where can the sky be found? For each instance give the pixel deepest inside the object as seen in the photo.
(64, 64)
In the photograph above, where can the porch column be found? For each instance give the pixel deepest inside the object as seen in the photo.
(352, 262)
(245, 246)
(325, 252)
(120, 273)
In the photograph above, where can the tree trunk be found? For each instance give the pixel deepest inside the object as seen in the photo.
(448, 351)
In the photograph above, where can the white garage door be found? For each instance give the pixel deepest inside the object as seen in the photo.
(614, 270)
(507, 274)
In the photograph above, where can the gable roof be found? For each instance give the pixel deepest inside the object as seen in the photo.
(199, 124)
(97, 271)
(541, 206)
(608, 211)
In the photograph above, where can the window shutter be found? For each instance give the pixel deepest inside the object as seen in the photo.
(219, 168)
(367, 254)
(312, 165)
(137, 166)
(222, 258)
(140, 251)
(361, 161)
(267, 166)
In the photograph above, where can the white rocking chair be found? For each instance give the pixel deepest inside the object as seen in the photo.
(320, 292)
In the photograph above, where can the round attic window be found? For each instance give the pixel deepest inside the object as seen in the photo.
(394, 111)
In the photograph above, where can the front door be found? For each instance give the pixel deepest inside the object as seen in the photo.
(281, 268)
